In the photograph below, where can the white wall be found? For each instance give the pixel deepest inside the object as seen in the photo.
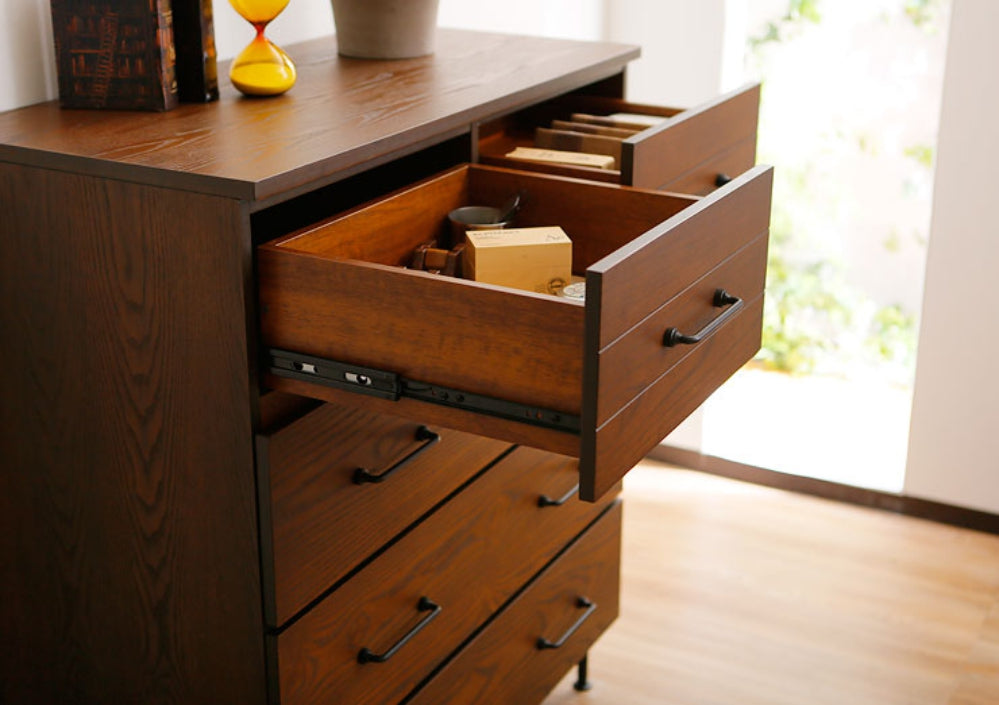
(954, 436)
(683, 47)
(26, 53)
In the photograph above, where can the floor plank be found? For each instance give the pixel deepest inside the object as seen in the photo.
(734, 593)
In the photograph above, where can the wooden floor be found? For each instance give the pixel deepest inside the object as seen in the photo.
(734, 594)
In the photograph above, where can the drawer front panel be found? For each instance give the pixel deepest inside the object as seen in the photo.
(636, 280)
(617, 445)
(640, 356)
(324, 521)
(716, 170)
(468, 557)
(686, 153)
(503, 664)
(687, 143)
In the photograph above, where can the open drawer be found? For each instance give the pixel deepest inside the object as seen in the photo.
(690, 151)
(344, 321)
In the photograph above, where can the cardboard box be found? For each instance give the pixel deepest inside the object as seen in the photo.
(534, 259)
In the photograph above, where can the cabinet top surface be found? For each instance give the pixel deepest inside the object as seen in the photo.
(341, 113)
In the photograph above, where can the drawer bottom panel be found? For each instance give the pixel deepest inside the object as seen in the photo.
(570, 604)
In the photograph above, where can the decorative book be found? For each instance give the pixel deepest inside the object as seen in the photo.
(115, 55)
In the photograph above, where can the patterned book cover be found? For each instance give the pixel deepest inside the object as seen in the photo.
(194, 37)
(115, 54)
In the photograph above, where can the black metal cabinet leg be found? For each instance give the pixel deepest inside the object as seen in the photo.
(582, 684)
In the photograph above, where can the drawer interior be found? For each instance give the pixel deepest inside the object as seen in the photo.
(693, 150)
(474, 337)
(499, 137)
(345, 321)
(387, 231)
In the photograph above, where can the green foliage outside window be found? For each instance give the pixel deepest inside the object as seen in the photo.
(815, 320)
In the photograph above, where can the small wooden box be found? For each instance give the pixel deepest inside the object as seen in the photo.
(533, 259)
(115, 55)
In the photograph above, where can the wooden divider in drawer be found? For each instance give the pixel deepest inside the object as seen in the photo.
(691, 150)
(377, 636)
(339, 483)
(524, 653)
(345, 322)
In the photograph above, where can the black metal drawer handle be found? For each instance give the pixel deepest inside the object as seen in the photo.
(365, 655)
(362, 475)
(673, 336)
(546, 501)
(580, 602)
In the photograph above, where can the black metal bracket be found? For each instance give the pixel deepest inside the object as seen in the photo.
(447, 396)
(388, 385)
(340, 375)
(582, 683)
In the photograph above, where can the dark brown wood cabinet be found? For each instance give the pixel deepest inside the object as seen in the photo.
(248, 458)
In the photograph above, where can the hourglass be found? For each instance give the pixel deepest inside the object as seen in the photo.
(262, 68)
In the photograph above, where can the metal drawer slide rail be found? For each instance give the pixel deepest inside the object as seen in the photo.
(389, 385)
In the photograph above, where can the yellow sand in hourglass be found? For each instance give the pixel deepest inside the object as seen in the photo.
(262, 68)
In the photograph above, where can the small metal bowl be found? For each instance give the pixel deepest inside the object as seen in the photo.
(474, 218)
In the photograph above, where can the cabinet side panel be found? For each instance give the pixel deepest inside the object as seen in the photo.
(128, 560)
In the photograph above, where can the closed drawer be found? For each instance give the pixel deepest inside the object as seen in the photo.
(569, 605)
(339, 483)
(691, 151)
(468, 558)
(514, 365)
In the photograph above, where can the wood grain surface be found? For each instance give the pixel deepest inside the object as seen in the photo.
(503, 664)
(656, 158)
(342, 112)
(686, 247)
(470, 557)
(609, 451)
(321, 523)
(638, 358)
(518, 346)
(128, 562)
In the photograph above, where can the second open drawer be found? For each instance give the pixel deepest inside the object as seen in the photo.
(692, 150)
(345, 321)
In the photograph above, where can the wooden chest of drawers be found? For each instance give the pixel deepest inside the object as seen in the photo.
(248, 458)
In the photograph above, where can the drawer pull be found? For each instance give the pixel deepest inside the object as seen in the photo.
(722, 179)
(673, 336)
(546, 501)
(581, 602)
(429, 438)
(365, 655)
